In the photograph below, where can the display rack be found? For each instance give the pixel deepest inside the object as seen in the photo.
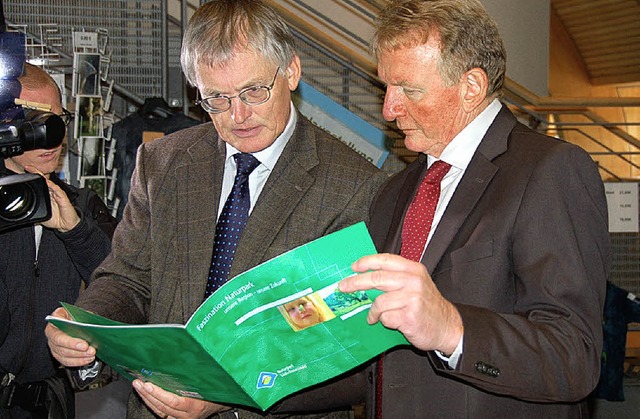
(92, 92)
(137, 33)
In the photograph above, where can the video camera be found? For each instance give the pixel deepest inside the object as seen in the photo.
(24, 198)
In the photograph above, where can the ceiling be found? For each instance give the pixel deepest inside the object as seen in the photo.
(607, 35)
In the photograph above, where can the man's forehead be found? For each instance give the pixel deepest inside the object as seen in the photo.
(46, 95)
(232, 76)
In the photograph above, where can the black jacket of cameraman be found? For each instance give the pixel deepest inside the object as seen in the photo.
(37, 285)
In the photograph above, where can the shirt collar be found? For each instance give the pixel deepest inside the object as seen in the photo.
(460, 150)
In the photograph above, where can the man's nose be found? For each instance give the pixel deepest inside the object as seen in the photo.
(240, 111)
(392, 106)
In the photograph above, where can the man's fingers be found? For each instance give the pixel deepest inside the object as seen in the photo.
(33, 169)
(387, 262)
(363, 282)
(145, 390)
(62, 313)
(384, 272)
(71, 352)
(388, 308)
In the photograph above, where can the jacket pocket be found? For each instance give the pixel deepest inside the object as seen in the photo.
(472, 252)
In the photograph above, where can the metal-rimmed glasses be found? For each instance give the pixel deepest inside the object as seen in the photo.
(252, 95)
(66, 116)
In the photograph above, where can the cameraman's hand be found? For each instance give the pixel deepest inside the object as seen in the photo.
(70, 352)
(169, 405)
(64, 216)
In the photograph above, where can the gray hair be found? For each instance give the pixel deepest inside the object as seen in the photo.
(222, 28)
(468, 36)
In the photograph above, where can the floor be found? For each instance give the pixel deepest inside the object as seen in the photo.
(627, 409)
(109, 402)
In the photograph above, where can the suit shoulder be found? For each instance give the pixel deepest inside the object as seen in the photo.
(334, 152)
(537, 146)
(181, 147)
(183, 138)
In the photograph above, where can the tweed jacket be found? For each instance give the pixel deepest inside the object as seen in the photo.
(157, 271)
(522, 250)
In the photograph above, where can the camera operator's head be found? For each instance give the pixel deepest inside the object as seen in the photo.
(38, 87)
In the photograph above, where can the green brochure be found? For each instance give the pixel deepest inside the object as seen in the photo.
(267, 333)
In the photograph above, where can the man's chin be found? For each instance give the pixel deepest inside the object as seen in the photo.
(413, 144)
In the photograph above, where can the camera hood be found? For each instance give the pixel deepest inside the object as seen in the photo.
(24, 199)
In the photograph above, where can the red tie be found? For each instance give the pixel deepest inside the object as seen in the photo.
(415, 231)
(417, 221)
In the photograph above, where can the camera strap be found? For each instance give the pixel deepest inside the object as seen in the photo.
(30, 396)
(52, 395)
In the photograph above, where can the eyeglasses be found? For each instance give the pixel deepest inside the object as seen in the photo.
(253, 95)
(66, 116)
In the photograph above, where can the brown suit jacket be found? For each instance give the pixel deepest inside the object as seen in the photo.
(157, 270)
(523, 252)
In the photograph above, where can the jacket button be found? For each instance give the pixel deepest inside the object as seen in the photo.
(481, 367)
(487, 369)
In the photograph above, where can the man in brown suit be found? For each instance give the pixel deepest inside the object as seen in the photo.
(241, 57)
(503, 304)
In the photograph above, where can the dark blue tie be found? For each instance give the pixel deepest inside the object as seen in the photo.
(231, 223)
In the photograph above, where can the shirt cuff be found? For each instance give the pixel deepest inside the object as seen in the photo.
(452, 360)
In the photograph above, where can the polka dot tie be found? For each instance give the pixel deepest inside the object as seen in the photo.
(231, 223)
(417, 221)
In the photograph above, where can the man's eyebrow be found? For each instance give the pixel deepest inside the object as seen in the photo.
(251, 83)
(398, 83)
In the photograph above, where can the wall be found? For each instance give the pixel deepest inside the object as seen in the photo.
(568, 78)
(525, 31)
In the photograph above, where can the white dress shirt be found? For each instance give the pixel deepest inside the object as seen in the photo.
(267, 158)
(458, 154)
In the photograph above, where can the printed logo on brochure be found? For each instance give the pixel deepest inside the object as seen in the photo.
(266, 379)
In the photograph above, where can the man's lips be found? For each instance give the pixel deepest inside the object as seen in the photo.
(48, 155)
(246, 132)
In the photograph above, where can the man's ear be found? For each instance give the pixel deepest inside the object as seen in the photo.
(294, 72)
(474, 88)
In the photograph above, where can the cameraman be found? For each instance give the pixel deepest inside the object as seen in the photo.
(43, 265)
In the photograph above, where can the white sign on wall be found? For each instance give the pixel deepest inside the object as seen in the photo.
(622, 200)
(85, 40)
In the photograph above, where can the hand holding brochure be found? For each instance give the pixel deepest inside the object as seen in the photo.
(267, 333)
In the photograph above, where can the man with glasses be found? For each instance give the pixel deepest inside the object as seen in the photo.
(304, 184)
(44, 264)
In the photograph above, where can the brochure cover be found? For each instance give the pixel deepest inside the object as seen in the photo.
(267, 333)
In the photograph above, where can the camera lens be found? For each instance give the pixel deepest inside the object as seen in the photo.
(42, 130)
(16, 201)
(24, 199)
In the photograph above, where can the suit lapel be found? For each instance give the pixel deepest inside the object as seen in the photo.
(469, 190)
(473, 184)
(197, 208)
(287, 184)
